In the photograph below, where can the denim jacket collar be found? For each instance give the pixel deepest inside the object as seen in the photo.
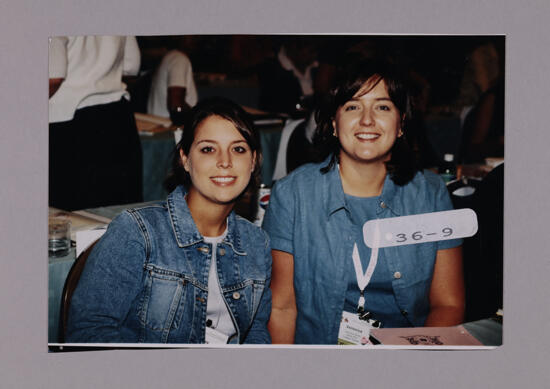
(336, 199)
(185, 229)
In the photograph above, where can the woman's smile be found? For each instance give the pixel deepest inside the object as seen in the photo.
(367, 136)
(367, 125)
(223, 180)
(220, 162)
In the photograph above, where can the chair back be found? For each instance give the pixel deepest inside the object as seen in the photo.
(482, 253)
(70, 285)
(299, 149)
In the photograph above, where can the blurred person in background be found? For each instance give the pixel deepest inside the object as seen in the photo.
(286, 80)
(94, 147)
(483, 129)
(173, 91)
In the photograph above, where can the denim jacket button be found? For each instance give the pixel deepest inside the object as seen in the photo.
(221, 251)
(382, 204)
(236, 295)
(397, 275)
(204, 250)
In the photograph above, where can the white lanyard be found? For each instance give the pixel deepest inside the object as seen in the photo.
(363, 279)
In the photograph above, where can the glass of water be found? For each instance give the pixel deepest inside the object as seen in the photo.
(59, 235)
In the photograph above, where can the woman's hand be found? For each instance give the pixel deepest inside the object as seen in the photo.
(282, 323)
(447, 290)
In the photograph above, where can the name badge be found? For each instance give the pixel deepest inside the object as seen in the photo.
(353, 330)
(215, 337)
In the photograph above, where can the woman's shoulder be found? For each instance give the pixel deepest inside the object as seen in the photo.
(147, 212)
(426, 180)
(138, 218)
(251, 229)
(426, 192)
(251, 235)
(303, 176)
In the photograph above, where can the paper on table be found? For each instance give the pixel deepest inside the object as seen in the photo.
(267, 121)
(425, 336)
(85, 238)
(494, 161)
(81, 220)
(153, 119)
(253, 111)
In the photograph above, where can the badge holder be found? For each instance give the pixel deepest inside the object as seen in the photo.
(355, 327)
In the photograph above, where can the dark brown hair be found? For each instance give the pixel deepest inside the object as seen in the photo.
(224, 108)
(403, 165)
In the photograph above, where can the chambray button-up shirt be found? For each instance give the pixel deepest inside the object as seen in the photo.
(308, 218)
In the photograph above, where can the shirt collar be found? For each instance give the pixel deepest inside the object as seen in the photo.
(336, 198)
(389, 196)
(185, 229)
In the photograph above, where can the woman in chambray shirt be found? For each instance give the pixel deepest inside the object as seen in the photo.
(187, 270)
(316, 214)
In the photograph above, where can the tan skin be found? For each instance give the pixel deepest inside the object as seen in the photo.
(218, 152)
(176, 98)
(53, 85)
(362, 172)
(210, 220)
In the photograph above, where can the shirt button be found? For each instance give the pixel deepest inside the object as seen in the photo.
(236, 295)
(209, 323)
(404, 312)
(382, 204)
(204, 250)
(397, 275)
(222, 251)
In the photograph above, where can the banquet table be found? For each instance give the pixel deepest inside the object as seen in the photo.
(156, 156)
(487, 331)
(58, 268)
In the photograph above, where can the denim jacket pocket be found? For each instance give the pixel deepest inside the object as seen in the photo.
(244, 299)
(161, 307)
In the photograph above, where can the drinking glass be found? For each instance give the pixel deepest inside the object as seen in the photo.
(59, 235)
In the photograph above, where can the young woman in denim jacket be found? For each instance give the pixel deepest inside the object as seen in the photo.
(187, 270)
(316, 214)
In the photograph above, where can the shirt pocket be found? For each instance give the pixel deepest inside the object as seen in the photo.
(422, 260)
(163, 296)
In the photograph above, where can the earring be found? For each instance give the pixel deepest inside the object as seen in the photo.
(400, 133)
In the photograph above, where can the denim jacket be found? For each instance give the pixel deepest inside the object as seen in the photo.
(308, 217)
(146, 280)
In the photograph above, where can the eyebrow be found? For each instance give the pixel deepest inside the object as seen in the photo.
(376, 99)
(214, 141)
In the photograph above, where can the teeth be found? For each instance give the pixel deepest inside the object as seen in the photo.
(223, 179)
(367, 136)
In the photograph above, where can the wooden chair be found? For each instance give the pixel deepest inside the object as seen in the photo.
(70, 285)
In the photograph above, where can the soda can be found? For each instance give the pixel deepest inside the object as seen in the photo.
(263, 200)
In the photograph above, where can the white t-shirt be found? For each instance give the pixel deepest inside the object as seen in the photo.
(217, 314)
(174, 70)
(92, 68)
